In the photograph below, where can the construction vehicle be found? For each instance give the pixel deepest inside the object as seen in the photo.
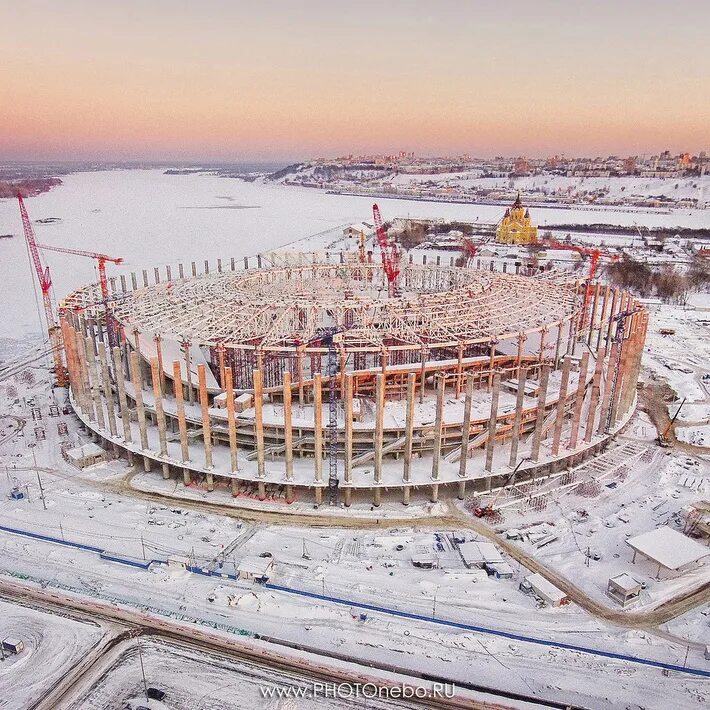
(388, 252)
(45, 283)
(490, 509)
(663, 439)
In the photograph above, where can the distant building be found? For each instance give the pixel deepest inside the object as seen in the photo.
(516, 227)
(355, 230)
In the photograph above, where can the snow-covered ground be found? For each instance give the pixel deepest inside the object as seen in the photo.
(150, 218)
(52, 643)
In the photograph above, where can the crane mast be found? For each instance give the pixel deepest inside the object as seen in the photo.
(45, 283)
(390, 258)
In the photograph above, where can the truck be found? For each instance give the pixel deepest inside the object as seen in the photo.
(13, 645)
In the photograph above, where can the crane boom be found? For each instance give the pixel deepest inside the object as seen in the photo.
(388, 252)
(45, 283)
(101, 258)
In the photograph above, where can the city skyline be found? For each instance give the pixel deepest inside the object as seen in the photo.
(172, 81)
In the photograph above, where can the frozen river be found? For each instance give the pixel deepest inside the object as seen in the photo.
(150, 218)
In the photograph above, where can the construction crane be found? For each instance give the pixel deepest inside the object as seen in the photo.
(663, 436)
(388, 251)
(469, 250)
(490, 509)
(594, 255)
(45, 284)
(103, 280)
(327, 337)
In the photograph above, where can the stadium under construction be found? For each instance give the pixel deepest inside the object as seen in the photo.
(303, 377)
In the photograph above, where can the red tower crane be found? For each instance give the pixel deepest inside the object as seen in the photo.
(469, 249)
(45, 284)
(594, 255)
(390, 257)
(100, 258)
(103, 280)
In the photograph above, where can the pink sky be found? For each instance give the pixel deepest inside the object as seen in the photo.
(280, 80)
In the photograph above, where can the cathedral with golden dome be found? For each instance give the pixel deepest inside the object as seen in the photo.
(516, 227)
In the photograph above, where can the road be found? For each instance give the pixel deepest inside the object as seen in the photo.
(453, 519)
(263, 652)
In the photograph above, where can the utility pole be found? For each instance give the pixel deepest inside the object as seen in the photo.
(41, 491)
(140, 658)
(143, 546)
(39, 480)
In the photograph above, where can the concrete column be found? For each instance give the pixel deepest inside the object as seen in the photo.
(610, 322)
(422, 375)
(491, 362)
(70, 357)
(259, 427)
(608, 381)
(376, 497)
(299, 367)
(459, 371)
(182, 423)
(593, 315)
(122, 399)
(348, 477)
(108, 391)
(594, 397)
(572, 326)
(288, 426)
(318, 430)
(543, 337)
(438, 426)
(579, 400)
(603, 316)
(518, 420)
(540, 417)
(188, 371)
(561, 406)
(220, 359)
(409, 428)
(231, 423)
(621, 377)
(161, 369)
(159, 413)
(379, 424)
(465, 431)
(137, 382)
(492, 423)
(95, 376)
(558, 344)
(521, 343)
(206, 426)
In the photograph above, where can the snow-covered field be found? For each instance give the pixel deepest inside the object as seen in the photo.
(52, 643)
(150, 218)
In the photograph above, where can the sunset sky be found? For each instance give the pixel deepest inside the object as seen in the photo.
(272, 80)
